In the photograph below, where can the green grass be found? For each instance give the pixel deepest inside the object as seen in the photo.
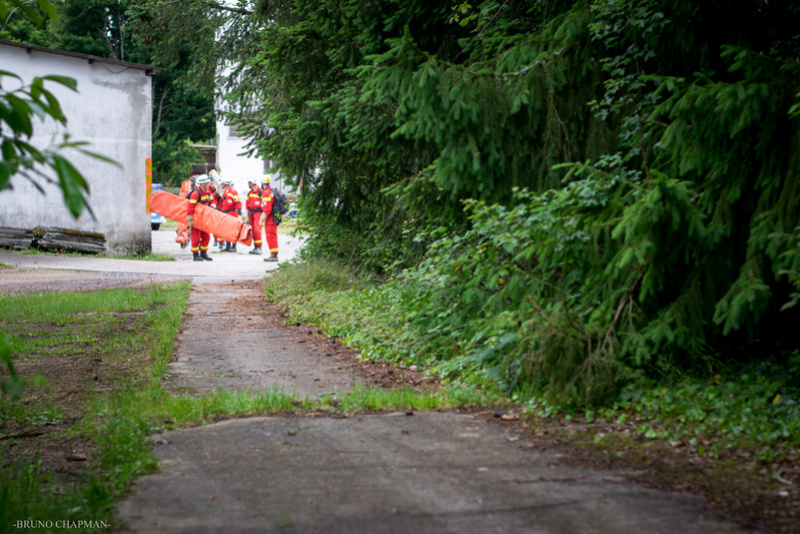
(77, 308)
(752, 411)
(70, 322)
(5, 266)
(26, 493)
(39, 252)
(15, 414)
(365, 399)
(150, 256)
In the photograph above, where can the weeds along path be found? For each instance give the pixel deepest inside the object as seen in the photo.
(421, 472)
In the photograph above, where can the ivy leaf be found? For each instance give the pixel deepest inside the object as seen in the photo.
(72, 185)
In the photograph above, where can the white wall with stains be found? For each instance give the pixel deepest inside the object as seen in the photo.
(111, 110)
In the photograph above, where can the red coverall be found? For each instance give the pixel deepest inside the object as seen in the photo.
(270, 228)
(230, 203)
(215, 200)
(253, 205)
(182, 232)
(200, 239)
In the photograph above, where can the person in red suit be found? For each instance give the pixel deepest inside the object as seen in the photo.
(231, 205)
(183, 235)
(215, 200)
(270, 225)
(200, 239)
(253, 205)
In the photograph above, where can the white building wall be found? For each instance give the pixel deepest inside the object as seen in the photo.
(112, 111)
(239, 168)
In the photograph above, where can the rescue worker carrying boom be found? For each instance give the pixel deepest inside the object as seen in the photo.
(200, 239)
(270, 228)
(231, 205)
(253, 205)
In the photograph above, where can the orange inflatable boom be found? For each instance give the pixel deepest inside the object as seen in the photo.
(208, 219)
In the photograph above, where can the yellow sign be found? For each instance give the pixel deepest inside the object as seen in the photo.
(149, 189)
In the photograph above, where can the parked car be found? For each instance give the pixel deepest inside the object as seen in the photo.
(155, 219)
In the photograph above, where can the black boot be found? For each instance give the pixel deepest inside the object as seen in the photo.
(256, 251)
(196, 257)
(204, 255)
(227, 247)
(221, 246)
(273, 257)
(233, 247)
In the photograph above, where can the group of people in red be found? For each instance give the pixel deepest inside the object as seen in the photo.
(258, 204)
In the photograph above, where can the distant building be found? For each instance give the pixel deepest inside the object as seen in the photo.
(111, 111)
(209, 155)
(239, 168)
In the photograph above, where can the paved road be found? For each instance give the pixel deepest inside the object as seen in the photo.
(226, 266)
(392, 473)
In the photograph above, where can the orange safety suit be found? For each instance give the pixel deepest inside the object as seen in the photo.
(182, 231)
(253, 205)
(270, 228)
(200, 239)
(215, 200)
(230, 202)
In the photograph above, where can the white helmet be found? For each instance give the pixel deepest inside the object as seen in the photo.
(202, 179)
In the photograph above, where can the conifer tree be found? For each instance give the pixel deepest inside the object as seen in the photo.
(629, 167)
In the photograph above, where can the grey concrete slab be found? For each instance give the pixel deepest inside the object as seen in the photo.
(426, 473)
(229, 341)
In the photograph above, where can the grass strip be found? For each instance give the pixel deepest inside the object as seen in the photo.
(752, 411)
(129, 333)
(150, 256)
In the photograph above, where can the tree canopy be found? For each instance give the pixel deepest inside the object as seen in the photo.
(183, 110)
(582, 189)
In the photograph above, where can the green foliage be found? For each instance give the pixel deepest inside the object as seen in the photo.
(752, 410)
(172, 161)
(121, 30)
(13, 384)
(747, 409)
(581, 193)
(33, 11)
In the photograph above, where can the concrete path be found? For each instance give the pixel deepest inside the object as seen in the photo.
(231, 339)
(426, 473)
